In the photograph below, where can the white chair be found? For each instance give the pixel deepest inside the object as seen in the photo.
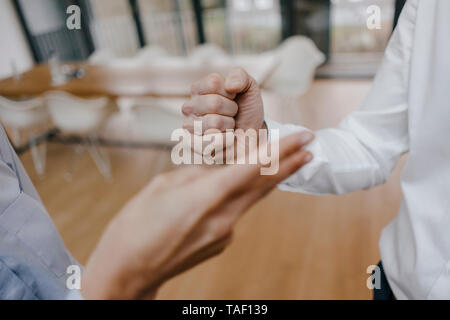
(102, 57)
(29, 117)
(299, 58)
(82, 117)
(207, 53)
(155, 119)
(107, 58)
(150, 54)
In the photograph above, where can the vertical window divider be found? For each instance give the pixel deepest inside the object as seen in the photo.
(26, 30)
(134, 5)
(198, 11)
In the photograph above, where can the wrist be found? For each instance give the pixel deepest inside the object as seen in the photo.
(116, 286)
(110, 275)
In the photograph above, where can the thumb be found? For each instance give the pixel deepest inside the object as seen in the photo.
(238, 81)
(248, 98)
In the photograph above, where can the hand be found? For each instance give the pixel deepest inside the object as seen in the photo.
(177, 221)
(221, 103)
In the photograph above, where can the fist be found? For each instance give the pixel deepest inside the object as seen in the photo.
(222, 103)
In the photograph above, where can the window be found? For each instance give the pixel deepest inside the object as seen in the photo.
(113, 27)
(356, 50)
(255, 25)
(169, 24)
(349, 31)
(338, 28)
(44, 23)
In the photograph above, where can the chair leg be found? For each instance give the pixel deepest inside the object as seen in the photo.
(39, 155)
(78, 151)
(100, 157)
(16, 137)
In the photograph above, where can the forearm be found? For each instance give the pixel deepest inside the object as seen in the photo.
(363, 150)
(346, 159)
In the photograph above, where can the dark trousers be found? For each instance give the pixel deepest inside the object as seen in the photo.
(384, 292)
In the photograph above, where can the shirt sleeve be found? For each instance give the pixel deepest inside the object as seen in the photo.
(74, 295)
(12, 287)
(362, 152)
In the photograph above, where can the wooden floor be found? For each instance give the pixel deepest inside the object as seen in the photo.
(289, 246)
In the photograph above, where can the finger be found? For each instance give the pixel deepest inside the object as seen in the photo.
(243, 200)
(294, 142)
(244, 174)
(174, 178)
(278, 151)
(198, 125)
(184, 175)
(200, 105)
(211, 84)
(234, 178)
(211, 139)
(240, 186)
(289, 166)
(238, 81)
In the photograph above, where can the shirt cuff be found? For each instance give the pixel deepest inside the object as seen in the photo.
(284, 130)
(296, 182)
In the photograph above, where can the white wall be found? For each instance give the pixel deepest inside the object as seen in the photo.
(13, 45)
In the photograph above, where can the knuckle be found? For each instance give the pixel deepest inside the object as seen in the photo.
(234, 108)
(187, 109)
(217, 122)
(254, 83)
(240, 69)
(232, 124)
(221, 230)
(187, 123)
(214, 82)
(215, 104)
(194, 87)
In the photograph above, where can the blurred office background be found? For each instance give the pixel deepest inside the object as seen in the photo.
(122, 27)
(90, 112)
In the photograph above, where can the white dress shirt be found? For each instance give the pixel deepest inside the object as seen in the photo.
(407, 110)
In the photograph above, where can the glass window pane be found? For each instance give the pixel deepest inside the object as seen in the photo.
(254, 25)
(215, 23)
(356, 49)
(169, 24)
(113, 27)
(349, 26)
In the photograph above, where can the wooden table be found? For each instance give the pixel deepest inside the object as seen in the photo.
(106, 81)
(125, 79)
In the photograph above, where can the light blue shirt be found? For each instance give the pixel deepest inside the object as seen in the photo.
(33, 258)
